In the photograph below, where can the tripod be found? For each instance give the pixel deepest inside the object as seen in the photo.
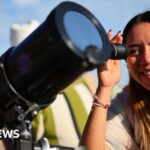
(24, 142)
(18, 119)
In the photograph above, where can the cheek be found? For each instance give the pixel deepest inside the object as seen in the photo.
(131, 62)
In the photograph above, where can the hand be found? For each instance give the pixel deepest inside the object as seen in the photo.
(109, 73)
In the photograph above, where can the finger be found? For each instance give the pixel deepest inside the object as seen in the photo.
(117, 38)
(108, 64)
(117, 62)
(120, 38)
(113, 64)
(109, 34)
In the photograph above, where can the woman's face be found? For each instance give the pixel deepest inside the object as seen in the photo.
(138, 42)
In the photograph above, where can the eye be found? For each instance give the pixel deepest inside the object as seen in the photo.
(135, 50)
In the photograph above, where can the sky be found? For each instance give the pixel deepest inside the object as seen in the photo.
(113, 14)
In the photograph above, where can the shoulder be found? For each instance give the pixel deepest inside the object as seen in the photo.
(119, 130)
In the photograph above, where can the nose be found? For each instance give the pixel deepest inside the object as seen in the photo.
(145, 58)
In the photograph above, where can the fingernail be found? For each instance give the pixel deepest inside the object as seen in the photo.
(119, 31)
(110, 30)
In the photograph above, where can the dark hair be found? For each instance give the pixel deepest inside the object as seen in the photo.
(142, 17)
(139, 96)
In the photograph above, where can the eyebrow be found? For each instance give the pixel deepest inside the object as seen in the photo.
(134, 45)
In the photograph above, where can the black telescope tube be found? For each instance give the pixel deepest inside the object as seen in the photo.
(47, 61)
(41, 66)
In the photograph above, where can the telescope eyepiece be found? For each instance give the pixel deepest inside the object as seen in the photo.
(120, 51)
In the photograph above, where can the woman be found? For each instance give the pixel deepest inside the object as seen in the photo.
(126, 124)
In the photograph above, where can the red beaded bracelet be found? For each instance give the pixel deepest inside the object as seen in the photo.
(97, 102)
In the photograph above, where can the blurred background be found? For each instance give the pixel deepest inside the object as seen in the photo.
(113, 14)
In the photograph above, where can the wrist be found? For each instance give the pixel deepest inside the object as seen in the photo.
(104, 91)
(99, 103)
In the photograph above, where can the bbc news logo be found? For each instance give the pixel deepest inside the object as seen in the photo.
(9, 134)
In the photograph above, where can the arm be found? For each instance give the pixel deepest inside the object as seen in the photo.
(2, 146)
(108, 75)
(94, 134)
(5, 144)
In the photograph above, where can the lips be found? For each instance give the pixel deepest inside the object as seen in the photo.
(146, 74)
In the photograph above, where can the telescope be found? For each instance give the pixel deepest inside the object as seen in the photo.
(69, 42)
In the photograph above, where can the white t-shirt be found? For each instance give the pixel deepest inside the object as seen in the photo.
(119, 130)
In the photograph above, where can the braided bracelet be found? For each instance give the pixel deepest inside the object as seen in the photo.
(97, 102)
